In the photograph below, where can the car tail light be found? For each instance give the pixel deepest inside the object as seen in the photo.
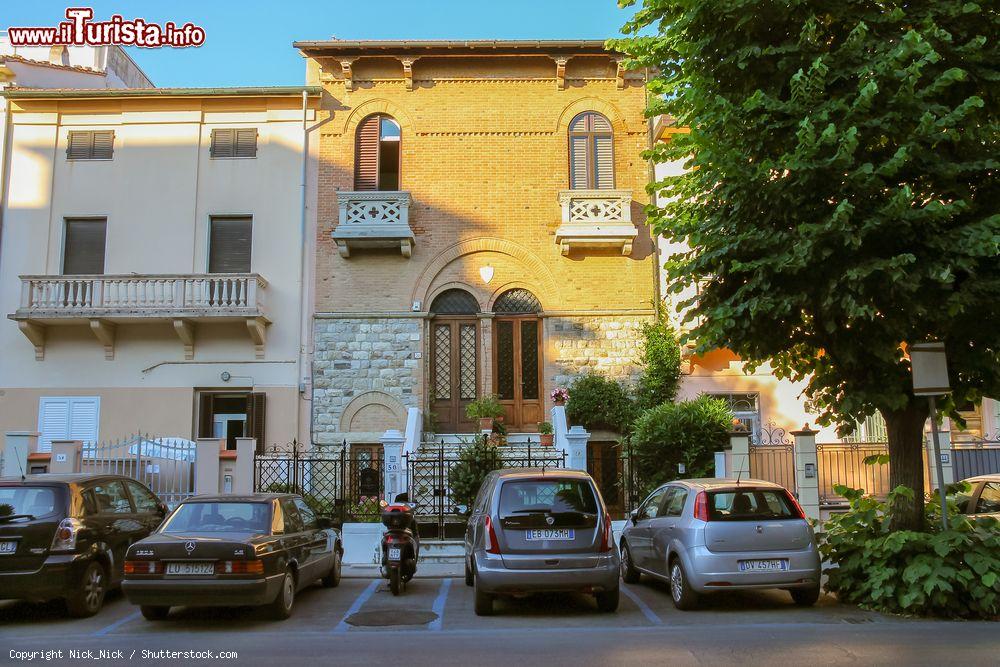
(701, 506)
(606, 541)
(66, 534)
(239, 567)
(492, 545)
(143, 567)
(795, 505)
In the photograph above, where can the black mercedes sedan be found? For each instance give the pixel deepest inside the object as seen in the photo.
(233, 550)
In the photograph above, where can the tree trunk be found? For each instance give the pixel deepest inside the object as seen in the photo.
(906, 463)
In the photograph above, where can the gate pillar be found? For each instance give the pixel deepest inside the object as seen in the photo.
(807, 471)
(394, 480)
(243, 466)
(739, 457)
(577, 438)
(16, 447)
(66, 456)
(206, 467)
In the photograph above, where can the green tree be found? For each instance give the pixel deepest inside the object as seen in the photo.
(841, 196)
(689, 432)
(475, 460)
(661, 358)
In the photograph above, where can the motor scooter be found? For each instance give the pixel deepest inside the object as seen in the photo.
(400, 544)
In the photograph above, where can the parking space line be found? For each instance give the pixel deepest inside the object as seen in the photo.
(356, 605)
(117, 624)
(438, 607)
(643, 607)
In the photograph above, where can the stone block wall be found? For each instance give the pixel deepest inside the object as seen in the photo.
(610, 345)
(354, 356)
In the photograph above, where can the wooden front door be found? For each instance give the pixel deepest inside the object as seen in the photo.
(517, 370)
(454, 372)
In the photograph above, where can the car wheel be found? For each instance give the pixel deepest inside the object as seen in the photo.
(630, 575)
(469, 579)
(805, 597)
(154, 613)
(281, 608)
(332, 579)
(680, 591)
(607, 601)
(88, 598)
(483, 601)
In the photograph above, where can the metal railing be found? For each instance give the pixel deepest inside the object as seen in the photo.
(976, 456)
(165, 465)
(142, 295)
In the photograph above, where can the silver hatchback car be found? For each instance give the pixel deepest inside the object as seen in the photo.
(704, 535)
(534, 530)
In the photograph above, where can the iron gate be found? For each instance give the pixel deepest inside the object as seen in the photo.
(976, 457)
(165, 465)
(348, 488)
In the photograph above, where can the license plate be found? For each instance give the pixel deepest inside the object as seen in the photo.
(189, 569)
(395, 554)
(768, 565)
(7, 548)
(549, 534)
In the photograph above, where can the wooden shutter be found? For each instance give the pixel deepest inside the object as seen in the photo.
(578, 163)
(79, 145)
(206, 414)
(223, 143)
(604, 162)
(104, 145)
(83, 247)
(256, 418)
(246, 142)
(230, 245)
(366, 154)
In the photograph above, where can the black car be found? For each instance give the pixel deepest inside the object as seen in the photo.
(65, 536)
(233, 550)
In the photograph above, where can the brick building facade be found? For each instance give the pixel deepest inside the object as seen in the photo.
(471, 266)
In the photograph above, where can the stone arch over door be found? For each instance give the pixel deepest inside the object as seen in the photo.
(373, 412)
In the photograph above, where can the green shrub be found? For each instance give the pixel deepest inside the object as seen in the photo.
(596, 402)
(689, 432)
(661, 357)
(475, 461)
(483, 407)
(953, 573)
(545, 428)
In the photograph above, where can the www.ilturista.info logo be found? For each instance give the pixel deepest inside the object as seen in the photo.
(80, 30)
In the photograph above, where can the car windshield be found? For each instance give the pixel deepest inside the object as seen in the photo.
(550, 496)
(750, 505)
(219, 518)
(26, 502)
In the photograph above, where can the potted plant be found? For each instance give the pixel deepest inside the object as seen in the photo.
(545, 434)
(486, 409)
(560, 395)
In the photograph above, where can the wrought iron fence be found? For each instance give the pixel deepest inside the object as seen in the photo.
(844, 463)
(977, 456)
(165, 465)
(772, 457)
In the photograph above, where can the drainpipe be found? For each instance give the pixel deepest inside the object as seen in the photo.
(8, 118)
(303, 286)
(651, 176)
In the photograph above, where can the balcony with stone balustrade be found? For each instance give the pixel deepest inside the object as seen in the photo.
(104, 302)
(596, 219)
(373, 219)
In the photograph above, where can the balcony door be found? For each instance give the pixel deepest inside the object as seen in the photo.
(454, 367)
(517, 359)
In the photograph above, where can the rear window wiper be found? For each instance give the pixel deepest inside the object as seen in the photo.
(12, 517)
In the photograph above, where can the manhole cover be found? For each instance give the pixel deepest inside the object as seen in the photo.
(391, 617)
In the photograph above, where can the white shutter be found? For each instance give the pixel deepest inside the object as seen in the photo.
(67, 418)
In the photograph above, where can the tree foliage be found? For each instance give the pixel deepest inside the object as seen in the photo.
(689, 432)
(475, 460)
(841, 193)
(597, 402)
(661, 358)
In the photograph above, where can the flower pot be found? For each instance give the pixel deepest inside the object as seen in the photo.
(545, 439)
(486, 423)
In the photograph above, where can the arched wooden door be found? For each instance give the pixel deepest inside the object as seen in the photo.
(517, 358)
(454, 367)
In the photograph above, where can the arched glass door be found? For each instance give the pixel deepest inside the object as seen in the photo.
(454, 368)
(517, 358)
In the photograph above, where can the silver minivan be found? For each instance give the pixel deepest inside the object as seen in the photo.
(538, 530)
(704, 535)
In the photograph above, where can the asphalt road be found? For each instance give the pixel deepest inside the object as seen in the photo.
(433, 624)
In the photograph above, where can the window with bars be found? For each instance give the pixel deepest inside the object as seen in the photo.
(83, 246)
(591, 153)
(90, 145)
(454, 302)
(517, 301)
(230, 244)
(234, 143)
(377, 154)
(745, 408)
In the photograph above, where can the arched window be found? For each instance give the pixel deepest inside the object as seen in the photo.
(591, 152)
(454, 302)
(376, 154)
(517, 301)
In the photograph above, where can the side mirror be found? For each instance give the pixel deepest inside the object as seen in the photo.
(634, 516)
